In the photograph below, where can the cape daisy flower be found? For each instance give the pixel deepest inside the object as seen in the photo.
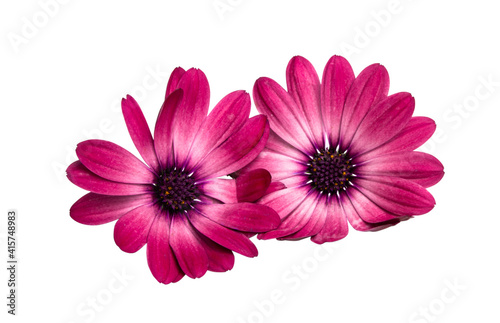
(344, 150)
(191, 219)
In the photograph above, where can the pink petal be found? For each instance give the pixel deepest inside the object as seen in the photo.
(164, 128)
(247, 217)
(316, 221)
(220, 259)
(161, 258)
(382, 122)
(285, 117)
(421, 168)
(252, 185)
(113, 162)
(94, 209)
(304, 87)
(280, 166)
(228, 116)
(296, 219)
(191, 112)
(366, 209)
(278, 145)
(221, 189)
(294, 181)
(84, 178)
(132, 229)
(396, 195)
(139, 131)
(285, 201)
(338, 77)
(274, 186)
(371, 86)
(357, 222)
(187, 246)
(228, 238)
(413, 135)
(237, 151)
(173, 81)
(335, 225)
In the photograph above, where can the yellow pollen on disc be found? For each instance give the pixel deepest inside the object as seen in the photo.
(314, 169)
(170, 187)
(167, 193)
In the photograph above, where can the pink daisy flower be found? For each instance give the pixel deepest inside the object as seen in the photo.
(190, 219)
(344, 150)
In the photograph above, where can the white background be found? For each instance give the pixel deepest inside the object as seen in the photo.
(61, 82)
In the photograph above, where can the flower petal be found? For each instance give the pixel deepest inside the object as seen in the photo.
(164, 128)
(237, 151)
(357, 222)
(187, 247)
(304, 87)
(421, 168)
(132, 229)
(382, 122)
(82, 177)
(228, 238)
(371, 86)
(94, 209)
(366, 209)
(220, 259)
(285, 201)
(191, 113)
(173, 81)
(413, 135)
(247, 217)
(316, 221)
(139, 131)
(396, 195)
(285, 117)
(335, 225)
(161, 258)
(280, 166)
(228, 116)
(338, 77)
(221, 189)
(252, 185)
(296, 219)
(278, 145)
(274, 186)
(113, 162)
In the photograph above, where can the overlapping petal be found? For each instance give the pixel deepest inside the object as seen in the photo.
(132, 229)
(82, 177)
(337, 80)
(304, 87)
(94, 209)
(161, 258)
(285, 117)
(237, 151)
(369, 87)
(113, 162)
(139, 131)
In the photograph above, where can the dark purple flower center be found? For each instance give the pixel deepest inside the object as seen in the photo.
(330, 171)
(177, 191)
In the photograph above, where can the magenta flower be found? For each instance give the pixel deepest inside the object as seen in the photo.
(344, 150)
(191, 219)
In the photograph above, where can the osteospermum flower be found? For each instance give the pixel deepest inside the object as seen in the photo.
(190, 218)
(344, 149)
